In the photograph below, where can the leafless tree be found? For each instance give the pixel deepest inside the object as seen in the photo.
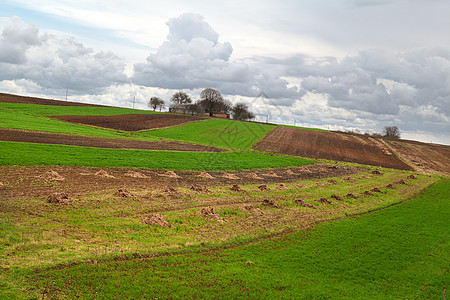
(156, 102)
(240, 111)
(180, 98)
(212, 102)
(391, 131)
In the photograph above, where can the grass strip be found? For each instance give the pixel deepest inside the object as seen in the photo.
(397, 253)
(26, 154)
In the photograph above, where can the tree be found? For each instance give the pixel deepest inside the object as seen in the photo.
(180, 98)
(156, 102)
(212, 102)
(240, 111)
(391, 131)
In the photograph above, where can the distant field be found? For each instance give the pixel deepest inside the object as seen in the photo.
(397, 253)
(217, 132)
(17, 153)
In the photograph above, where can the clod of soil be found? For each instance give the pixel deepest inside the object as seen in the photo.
(336, 197)
(104, 174)
(156, 219)
(390, 186)
(320, 169)
(171, 190)
(411, 177)
(303, 203)
(135, 174)
(289, 172)
(271, 203)
(301, 186)
(368, 193)
(271, 174)
(281, 186)
(376, 172)
(376, 190)
(208, 212)
(324, 200)
(230, 176)
(319, 184)
(333, 167)
(332, 181)
(401, 182)
(170, 174)
(51, 175)
(205, 175)
(351, 195)
(250, 207)
(253, 176)
(59, 198)
(199, 188)
(124, 193)
(306, 170)
(349, 179)
(263, 187)
(236, 188)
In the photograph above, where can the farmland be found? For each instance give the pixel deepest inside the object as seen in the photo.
(102, 202)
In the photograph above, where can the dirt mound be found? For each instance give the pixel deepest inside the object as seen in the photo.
(368, 193)
(376, 190)
(401, 181)
(205, 175)
(156, 219)
(349, 179)
(263, 187)
(208, 212)
(271, 203)
(351, 195)
(271, 174)
(249, 207)
(1, 184)
(328, 145)
(230, 176)
(306, 170)
(390, 186)
(135, 174)
(376, 172)
(236, 188)
(124, 193)
(104, 174)
(59, 198)
(281, 186)
(170, 174)
(324, 200)
(332, 181)
(199, 188)
(411, 177)
(322, 170)
(303, 203)
(336, 197)
(51, 175)
(320, 184)
(301, 186)
(290, 172)
(253, 176)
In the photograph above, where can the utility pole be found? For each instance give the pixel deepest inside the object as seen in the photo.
(67, 91)
(134, 100)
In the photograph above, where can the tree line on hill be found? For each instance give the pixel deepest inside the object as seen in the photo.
(211, 102)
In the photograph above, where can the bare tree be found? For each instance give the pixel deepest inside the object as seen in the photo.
(212, 102)
(240, 111)
(180, 98)
(156, 102)
(391, 131)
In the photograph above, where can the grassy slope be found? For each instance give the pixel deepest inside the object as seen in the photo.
(397, 253)
(16, 153)
(217, 132)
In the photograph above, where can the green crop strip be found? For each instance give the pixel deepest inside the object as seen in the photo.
(15, 153)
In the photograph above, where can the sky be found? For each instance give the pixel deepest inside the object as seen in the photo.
(344, 65)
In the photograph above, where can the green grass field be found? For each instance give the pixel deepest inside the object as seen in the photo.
(217, 132)
(29, 154)
(400, 252)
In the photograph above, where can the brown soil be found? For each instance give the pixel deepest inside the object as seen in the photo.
(351, 195)
(131, 122)
(236, 188)
(329, 145)
(124, 193)
(253, 176)
(376, 190)
(367, 193)
(8, 98)
(336, 197)
(170, 174)
(271, 174)
(104, 174)
(205, 175)
(208, 212)
(156, 219)
(51, 175)
(303, 203)
(230, 176)
(14, 135)
(325, 200)
(59, 198)
(390, 186)
(301, 186)
(199, 188)
(332, 181)
(135, 174)
(281, 186)
(271, 203)
(424, 157)
(263, 187)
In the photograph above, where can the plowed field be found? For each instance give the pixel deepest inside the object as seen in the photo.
(333, 146)
(13, 135)
(133, 122)
(8, 98)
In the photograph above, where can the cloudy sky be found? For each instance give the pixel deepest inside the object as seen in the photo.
(333, 64)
